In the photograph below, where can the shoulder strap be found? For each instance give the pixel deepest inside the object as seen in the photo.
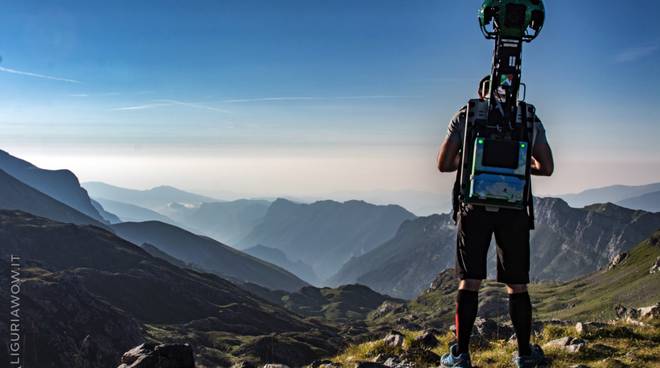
(456, 190)
(530, 138)
(455, 196)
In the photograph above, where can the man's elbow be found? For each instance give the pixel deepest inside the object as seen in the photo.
(445, 168)
(547, 170)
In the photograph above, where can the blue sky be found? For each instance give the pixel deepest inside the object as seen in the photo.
(313, 97)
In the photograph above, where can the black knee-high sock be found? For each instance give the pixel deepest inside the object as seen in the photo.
(520, 310)
(467, 304)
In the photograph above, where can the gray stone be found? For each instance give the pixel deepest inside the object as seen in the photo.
(426, 340)
(575, 346)
(559, 343)
(656, 267)
(617, 260)
(394, 339)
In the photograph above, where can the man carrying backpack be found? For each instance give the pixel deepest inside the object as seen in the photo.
(476, 225)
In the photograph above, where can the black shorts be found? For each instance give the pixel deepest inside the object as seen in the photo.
(476, 227)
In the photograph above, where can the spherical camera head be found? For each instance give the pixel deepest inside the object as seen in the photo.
(515, 19)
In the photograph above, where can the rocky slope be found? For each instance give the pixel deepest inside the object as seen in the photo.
(208, 254)
(83, 280)
(571, 242)
(568, 242)
(61, 185)
(325, 234)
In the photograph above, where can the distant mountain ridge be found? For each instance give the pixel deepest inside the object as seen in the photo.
(613, 194)
(131, 213)
(647, 202)
(208, 254)
(154, 199)
(279, 258)
(17, 195)
(61, 185)
(227, 222)
(568, 242)
(325, 234)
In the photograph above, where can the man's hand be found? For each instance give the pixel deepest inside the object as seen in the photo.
(542, 161)
(449, 158)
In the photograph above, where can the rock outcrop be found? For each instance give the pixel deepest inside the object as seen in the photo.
(159, 356)
(617, 260)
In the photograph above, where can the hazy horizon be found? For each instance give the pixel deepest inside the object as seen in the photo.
(308, 98)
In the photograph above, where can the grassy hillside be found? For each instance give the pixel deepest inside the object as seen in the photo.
(594, 296)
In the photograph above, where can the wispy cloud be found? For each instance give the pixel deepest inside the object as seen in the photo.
(100, 94)
(36, 75)
(313, 98)
(141, 107)
(164, 103)
(635, 53)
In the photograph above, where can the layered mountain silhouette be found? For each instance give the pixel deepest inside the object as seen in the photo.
(568, 242)
(405, 265)
(131, 213)
(208, 254)
(107, 216)
(227, 222)
(17, 195)
(647, 202)
(325, 234)
(61, 185)
(277, 257)
(90, 294)
(154, 199)
(613, 194)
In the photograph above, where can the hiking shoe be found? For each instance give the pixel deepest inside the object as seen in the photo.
(452, 360)
(533, 360)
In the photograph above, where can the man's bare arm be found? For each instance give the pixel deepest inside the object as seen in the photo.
(449, 158)
(542, 161)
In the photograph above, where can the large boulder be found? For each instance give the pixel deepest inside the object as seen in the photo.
(394, 339)
(150, 355)
(637, 315)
